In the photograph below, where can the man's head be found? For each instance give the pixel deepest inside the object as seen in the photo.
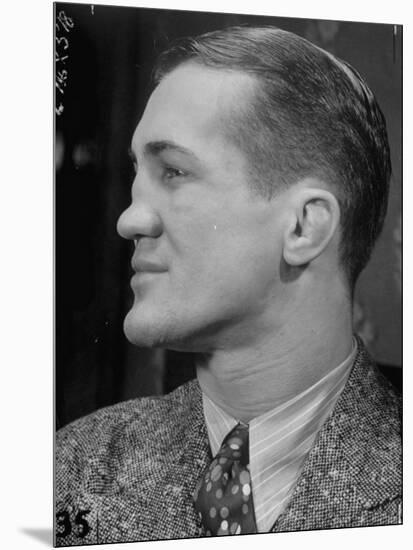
(258, 155)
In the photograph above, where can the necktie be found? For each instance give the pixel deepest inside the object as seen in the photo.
(223, 496)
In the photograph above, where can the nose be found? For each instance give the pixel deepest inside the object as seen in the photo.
(139, 220)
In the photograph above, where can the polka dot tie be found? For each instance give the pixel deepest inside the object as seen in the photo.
(223, 496)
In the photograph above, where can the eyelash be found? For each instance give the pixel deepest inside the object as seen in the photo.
(176, 172)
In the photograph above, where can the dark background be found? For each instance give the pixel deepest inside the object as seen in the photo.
(110, 54)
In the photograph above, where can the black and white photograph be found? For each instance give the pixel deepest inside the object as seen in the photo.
(227, 274)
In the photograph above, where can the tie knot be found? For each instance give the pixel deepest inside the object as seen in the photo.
(235, 445)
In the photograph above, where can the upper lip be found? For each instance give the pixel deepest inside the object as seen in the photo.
(142, 264)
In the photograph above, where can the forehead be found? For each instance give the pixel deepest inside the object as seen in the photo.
(191, 104)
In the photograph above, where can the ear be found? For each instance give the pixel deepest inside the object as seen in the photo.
(315, 215)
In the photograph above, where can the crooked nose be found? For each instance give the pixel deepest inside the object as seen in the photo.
(137, 221)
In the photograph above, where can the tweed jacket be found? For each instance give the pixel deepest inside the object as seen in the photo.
(127, 472)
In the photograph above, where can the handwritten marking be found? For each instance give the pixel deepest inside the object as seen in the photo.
(65, 21)
(64, 24)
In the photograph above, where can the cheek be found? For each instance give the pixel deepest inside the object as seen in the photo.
(246, 255)
(220, 243)
(229, 259)
(193, 223)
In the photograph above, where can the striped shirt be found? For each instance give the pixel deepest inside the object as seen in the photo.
(280, 440)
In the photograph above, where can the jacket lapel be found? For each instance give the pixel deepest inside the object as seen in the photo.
(336, 484)
(172, 512)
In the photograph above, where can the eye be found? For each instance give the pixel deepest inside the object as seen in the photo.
(171, 173)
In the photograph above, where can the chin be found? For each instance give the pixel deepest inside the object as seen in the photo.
(141, 333)
(149, 328)
(162, 331)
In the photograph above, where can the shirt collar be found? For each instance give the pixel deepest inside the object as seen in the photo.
(219, 423)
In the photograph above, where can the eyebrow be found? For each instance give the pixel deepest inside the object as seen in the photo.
(154, 148)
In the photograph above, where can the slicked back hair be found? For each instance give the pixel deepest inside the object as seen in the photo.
(311, 115)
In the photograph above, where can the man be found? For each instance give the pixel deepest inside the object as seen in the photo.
(262, 171)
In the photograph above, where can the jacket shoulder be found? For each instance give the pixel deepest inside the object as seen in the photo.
(92, 450)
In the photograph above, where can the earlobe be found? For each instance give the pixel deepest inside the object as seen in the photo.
(315, 218)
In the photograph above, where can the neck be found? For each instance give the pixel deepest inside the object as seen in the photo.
(249, 381)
